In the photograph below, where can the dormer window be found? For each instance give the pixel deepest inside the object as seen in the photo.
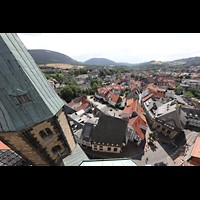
(20, 96)
(23, 98)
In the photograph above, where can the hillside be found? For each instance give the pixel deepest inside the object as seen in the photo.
(99, 61)
(45, 56)
(189, 61)
(104, 61)
(53, 58)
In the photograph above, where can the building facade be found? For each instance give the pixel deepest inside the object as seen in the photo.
(169, 119)
(32, 117)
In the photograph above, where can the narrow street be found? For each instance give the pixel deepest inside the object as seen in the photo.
(170, 153)
(155, 155)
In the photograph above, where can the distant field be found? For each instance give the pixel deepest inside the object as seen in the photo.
(157, 62)
(59, 65)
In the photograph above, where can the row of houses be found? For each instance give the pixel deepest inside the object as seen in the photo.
(166, 116)
(110, 94)
(111, 133)
(106, 132)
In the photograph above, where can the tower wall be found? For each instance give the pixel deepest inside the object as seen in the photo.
(37, 150)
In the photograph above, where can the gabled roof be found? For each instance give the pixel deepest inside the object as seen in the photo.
(151, 88)
(147, 97)
(139, 111)
(84, 103)
(103, 91)
(130, 108)
(158, 94)
(135, 122)
(110, 130)
(130, 101)
(150, 79)
(113, 97)
(78, 103)
(134, 107)
(118, 81)
(170, 110)
(196, 149)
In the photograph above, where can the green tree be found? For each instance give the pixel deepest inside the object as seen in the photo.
(187, 76)
(179, 90)
(75, 82)
(77, 72)
(67, 93)
(47, 76)
(136, 78)
(132, 75)
(153, 136)
(95, 86)
(188, 94)
(194, 91)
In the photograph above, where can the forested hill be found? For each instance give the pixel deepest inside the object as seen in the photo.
(45, 56)
(104, 61)
(99, 61)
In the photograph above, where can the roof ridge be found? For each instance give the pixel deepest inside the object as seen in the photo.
(136, 105)
(134, 120)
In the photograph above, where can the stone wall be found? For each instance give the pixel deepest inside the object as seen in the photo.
(37, 148)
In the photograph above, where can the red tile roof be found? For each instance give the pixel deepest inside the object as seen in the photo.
(130, 101)
(150, 79)
(103, 91)
(3, 146)
(151, 88)
(135, 107)
(147, 97)
(80, 103)
(158, 94)
(84, 103)
(135, 122)
(130, 108)
(196, 149)
(118, 81)
(113, 97)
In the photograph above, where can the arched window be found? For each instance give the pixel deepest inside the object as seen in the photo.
(56, 149)
(46, 134)
(49, 132)
(43, 134)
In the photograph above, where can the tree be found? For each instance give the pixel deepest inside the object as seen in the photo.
(75, 82)
(95, 86)
(132, 75)
(47, 76)
(194, 91)
(77, 72)
(179, 90)
(153, 136)
(136, 77)
(187, 76)
(188, 94)
(67, 93)
(127, 92)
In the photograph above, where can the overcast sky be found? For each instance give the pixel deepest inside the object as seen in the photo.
(119, 47)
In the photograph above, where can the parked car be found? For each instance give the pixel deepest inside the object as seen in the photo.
(160, 164)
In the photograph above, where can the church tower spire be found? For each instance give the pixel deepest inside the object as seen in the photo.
(32, 118)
